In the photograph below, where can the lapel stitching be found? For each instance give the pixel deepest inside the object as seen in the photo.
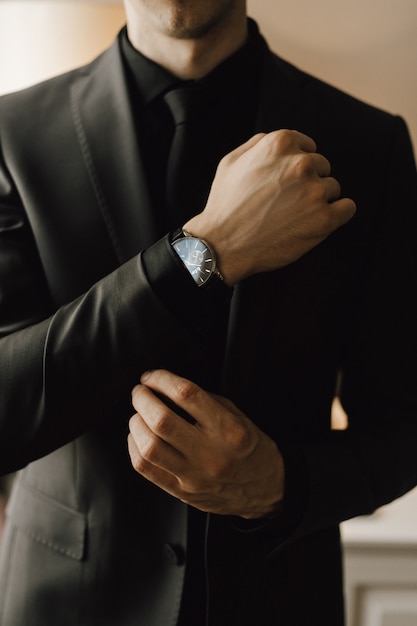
(75, 108)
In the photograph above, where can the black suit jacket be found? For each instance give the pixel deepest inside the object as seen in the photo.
(90, 542)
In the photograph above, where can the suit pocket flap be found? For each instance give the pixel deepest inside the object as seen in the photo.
(46, 521)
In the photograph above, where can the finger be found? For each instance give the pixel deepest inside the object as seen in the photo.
(312, 164)
(322, 165)
(153, 450)
(284, 141)
(240, 150)
(161, 419)
(332, 188)
(184, 393)
(342, 211)
(159, 477)
(305, 142)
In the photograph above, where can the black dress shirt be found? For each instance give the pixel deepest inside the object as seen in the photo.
(232, 96)
(231, 92)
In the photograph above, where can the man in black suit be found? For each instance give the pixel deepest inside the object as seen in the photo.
(228, 306)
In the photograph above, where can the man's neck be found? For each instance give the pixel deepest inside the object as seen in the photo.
(188, 57)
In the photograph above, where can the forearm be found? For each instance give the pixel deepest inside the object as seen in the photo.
(65, 375)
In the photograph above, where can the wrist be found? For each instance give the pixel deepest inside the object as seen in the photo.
(198, 258)
(230, 272)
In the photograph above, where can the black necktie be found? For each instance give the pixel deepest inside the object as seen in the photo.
(189, 171)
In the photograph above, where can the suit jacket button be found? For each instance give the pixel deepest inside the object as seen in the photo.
(174, 553)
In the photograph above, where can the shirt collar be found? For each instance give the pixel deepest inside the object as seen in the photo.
(234, 79)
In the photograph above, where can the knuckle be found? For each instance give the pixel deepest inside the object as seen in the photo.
(326, 220)
(137, 392)
(337, 189)
(239, 438)
(185, 390)
(149, 451)
(138, 462)
(259, 135)
(133, 422)
(280, 140)
(303, 165)
(162, 422)
(189, 488)
(218, 469)
(318, 193)
(326, 165)
(227, 160)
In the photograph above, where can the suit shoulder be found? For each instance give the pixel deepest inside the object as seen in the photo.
(330, 99)
(45, 94)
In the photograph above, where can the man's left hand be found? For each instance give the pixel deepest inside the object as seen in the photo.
(220, 464)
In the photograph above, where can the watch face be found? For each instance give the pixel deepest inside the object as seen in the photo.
(197, 258)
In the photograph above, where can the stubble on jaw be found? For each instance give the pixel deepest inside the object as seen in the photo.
(188, 19)
(187, 37)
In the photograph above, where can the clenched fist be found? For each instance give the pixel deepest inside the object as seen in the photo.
(271, 201)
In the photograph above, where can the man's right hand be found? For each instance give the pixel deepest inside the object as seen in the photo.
(271, 201)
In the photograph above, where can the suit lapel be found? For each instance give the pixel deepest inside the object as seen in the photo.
(284, 98)
(107, 138)
(106, 132)
(283, 104)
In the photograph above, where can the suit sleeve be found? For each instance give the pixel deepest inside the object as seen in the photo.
(64, 372)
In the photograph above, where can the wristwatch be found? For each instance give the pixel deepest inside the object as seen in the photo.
(198, 257)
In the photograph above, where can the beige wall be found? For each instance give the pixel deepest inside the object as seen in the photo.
(39, 39)
(367, 47)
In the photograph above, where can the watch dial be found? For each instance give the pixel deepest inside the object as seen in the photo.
(197, 258)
